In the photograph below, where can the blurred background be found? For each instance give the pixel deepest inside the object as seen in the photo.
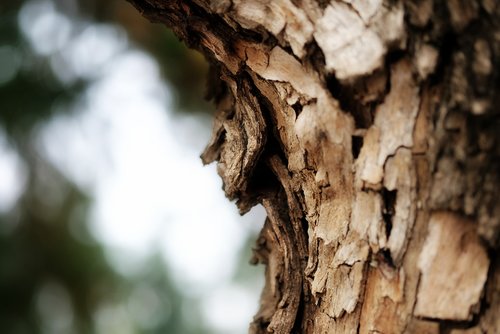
(109, 223)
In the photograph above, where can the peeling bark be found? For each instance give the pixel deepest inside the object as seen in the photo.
(369, 131)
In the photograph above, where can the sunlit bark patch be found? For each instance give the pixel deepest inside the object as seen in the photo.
(451, 289)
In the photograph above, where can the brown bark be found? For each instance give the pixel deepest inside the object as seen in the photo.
(369, 131)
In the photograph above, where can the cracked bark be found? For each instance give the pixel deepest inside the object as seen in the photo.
(369, 131)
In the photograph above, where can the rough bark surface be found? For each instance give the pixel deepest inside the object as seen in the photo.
(370, 131)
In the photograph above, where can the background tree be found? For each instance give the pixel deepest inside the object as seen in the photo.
(369, 131)
(54, 275)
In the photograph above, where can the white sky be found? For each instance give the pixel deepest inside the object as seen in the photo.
(12, 175)
(140, 161)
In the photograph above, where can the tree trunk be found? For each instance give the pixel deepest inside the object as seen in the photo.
(369, 131)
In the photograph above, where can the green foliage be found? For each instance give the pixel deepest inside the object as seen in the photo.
(53, 273)
(29, 97)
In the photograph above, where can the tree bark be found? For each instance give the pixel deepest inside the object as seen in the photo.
(369, 131)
